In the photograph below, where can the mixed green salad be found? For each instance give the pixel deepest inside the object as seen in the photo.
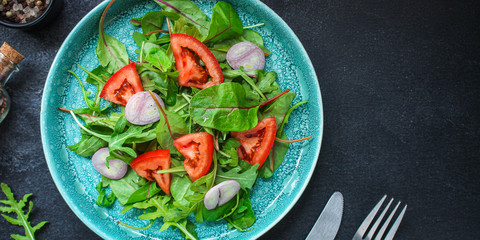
(189, 127)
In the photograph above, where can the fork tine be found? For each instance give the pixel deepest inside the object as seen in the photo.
(363, 227)
(397, 222)
(379, 220)
(385, 225)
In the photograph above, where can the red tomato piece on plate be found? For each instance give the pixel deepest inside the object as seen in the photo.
(197, 148)
(122, 85)
(188, 51)
(147, 165)
(256, 143)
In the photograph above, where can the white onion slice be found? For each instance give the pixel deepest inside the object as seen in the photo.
(246, 54)
(141, 109)
(117, 168)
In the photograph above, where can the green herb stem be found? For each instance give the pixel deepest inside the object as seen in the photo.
(252, 26)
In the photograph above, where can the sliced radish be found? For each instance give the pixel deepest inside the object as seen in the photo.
(221, 194)
(117, 168)
(141, 109)
(246, 54)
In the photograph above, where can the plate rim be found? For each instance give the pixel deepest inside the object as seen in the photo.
(48, 155)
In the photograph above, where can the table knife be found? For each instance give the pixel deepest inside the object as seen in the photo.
(328, 222)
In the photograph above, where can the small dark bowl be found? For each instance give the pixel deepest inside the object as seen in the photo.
(53, 9)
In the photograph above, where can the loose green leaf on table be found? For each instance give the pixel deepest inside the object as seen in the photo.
(12, 206)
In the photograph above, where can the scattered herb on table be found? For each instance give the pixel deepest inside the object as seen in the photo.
(12, 206)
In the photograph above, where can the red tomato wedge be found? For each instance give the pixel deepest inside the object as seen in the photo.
(197, 148)
(256, 143)
(187, 51)
(122, 85)
(147, 165)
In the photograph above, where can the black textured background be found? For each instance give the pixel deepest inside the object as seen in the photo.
(401, 90)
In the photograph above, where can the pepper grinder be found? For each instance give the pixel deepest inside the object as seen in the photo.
(9, 59)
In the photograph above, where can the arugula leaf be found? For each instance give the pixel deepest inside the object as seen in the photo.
(88, 145)
(176, 9)
(223, 107)
(161, 207)
(134, 134)
(187, 229)
(102, 199)
(229, 147)
(111, 53)
(225, 23)
(246, 178)
(12, 206)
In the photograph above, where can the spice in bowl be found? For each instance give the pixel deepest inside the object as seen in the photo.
(22, 11)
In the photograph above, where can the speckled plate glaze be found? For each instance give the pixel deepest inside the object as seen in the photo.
(75, 176)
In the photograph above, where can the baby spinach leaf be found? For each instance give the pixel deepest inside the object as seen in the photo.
(137, 22)
(243, 217)
(180, 188)
(278, 109)
(145, 192)
(219, 212)
(225, 23)
(111, 53)
(175, 9)
(12, 206)
(139, 38)
(182, 25)
(248, 36)
(246, 178)
(224, 107)
(123, 188)
(156, 56)
(255, 37)
(172, 92)
(152, 21)
(177, 126)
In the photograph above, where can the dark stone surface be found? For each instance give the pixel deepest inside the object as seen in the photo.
(401, 88)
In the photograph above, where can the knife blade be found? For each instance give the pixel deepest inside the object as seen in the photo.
(327, 224)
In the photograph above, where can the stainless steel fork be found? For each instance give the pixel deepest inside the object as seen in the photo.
(361, 232)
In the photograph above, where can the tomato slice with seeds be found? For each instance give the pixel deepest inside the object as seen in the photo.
(147, 165)
(256, 143)
(122, 85)
(188, 51)
(197, 148)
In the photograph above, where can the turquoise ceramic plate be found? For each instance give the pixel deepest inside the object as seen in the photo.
(75, 177)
